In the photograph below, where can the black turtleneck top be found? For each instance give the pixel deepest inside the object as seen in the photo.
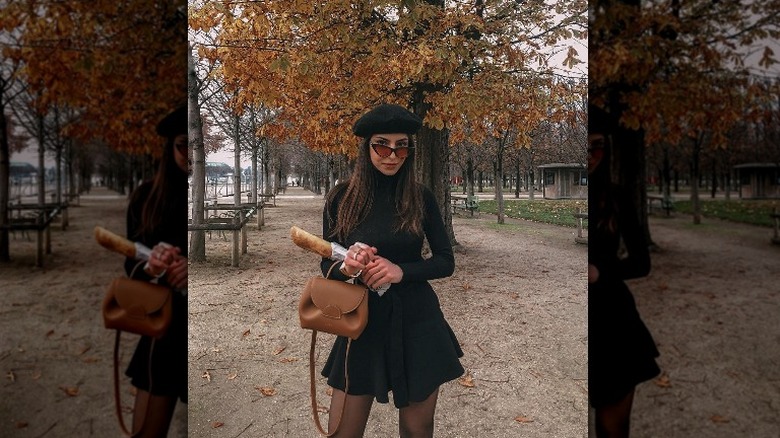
(401, 248)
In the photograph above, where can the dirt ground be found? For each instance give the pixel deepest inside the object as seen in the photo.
(711, 303)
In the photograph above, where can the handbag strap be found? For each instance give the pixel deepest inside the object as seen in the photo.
(314, 389)
(117, 401)
(117, 397)
(331, 268)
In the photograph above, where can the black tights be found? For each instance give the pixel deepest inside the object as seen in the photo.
(414, 421)
(152, 415)
(613, 421)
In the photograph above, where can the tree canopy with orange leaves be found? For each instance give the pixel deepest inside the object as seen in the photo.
(120, 64)
(472, 68)
(684, 66)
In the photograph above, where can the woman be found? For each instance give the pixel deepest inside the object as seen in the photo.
(155, 216)
(382, 215)
(621, 350)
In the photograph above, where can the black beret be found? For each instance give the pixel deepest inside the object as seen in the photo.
(174, 123)
(387, 119)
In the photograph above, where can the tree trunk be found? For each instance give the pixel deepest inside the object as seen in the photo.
(41, 167)
(5, 175)
(432, 163)
(498, 177)
(517, 180)
(694, 182)
(197, 250)
(237, 164)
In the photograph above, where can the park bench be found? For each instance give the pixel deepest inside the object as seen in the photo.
(581, 217)
(235, 221)
(36, 219)
(467, 203)
(267, 200)
(659, 202)
(776, 218)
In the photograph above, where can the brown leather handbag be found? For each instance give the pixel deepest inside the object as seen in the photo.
(138, 307)
(334, 307)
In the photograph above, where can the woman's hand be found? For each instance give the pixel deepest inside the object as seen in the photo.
(358, 256)
(593, 273)
(381, 271)
(162, 256)
(176, 275)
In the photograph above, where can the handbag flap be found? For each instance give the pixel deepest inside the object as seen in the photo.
(139, 298)
(329, 294)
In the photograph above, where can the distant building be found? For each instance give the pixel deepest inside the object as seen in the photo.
(19, 171)
(758, 180)
(564, 181)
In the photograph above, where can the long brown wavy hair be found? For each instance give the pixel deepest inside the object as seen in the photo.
(167, 184)
(359, 196)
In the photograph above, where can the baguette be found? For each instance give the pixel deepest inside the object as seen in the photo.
(310, 242)
(114, 242)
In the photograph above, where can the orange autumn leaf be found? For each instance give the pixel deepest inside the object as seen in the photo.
(467, 381)
(663, 381)
(719, 419)
(266, 390)
(70, 391)
(279, 350)
(522, 419)
(216, 424)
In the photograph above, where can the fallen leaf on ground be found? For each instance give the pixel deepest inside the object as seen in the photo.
(232, 376)
(11, 376)
(663, 381)
(266, 390)
(206, 375)
(322, 409)
(279, 350)
(217, 424)
(246, 333)
(329, 391)
(719, 419)
(36, 374)
(85, 349)
(521, 419)
(466, 286)
(467, 381)
(514, 295)
(21, 424)
(49, 333)
(288, 359)
(215, 350)
(71, 391)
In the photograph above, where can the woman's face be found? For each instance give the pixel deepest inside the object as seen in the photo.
(388, 152)
(182, 153)
(595, 151)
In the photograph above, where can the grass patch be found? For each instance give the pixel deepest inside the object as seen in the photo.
(549, 211)
(753, 212)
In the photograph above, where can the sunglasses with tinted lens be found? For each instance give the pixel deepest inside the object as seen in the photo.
(182, 147)
(385, 151)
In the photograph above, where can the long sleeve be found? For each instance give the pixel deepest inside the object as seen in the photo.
(327, 227)
(442, 262)
(637, 264)
(133, 225)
